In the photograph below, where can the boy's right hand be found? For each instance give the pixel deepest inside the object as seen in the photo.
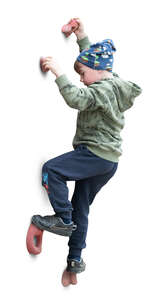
(79, 32)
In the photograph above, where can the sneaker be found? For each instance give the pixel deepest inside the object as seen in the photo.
(53, 224)
(75, 266)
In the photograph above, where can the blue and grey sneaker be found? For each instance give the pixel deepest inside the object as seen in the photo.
(53, 224)
(75, 266)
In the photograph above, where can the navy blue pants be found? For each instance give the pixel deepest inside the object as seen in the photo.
(90, 173)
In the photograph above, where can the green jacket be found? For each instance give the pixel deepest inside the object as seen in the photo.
(101, 108)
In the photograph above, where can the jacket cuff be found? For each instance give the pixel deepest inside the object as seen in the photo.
(83, 43)
(62, 81)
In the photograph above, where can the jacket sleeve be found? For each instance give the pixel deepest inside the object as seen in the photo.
(77, 98)
(83, 43)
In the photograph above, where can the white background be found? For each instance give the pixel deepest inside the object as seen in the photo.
(125, 244)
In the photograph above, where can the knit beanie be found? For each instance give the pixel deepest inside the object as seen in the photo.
(98, 56)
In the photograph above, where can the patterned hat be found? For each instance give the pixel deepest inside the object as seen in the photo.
(98, 56)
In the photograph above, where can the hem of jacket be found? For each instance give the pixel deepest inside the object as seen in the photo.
(103, 154)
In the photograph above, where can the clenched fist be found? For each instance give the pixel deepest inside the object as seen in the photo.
(48, 64)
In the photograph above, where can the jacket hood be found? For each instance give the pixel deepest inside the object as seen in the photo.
(126, 92)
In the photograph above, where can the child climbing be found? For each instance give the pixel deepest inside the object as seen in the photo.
(96, 145)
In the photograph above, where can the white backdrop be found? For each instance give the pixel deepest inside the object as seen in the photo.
(125, 261)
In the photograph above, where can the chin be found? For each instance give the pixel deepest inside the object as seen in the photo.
(88, 83)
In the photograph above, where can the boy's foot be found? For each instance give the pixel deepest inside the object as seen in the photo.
(68, 278)
(53, 224)
(75, 266)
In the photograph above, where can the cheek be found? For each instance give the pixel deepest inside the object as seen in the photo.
(89, 78)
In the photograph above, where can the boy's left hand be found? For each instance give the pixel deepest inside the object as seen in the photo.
(48, 63)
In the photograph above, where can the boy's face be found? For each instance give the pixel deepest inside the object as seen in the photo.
(88, 75)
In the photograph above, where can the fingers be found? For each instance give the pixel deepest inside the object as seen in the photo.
(77, 19)
(46, 60)
(46, 63)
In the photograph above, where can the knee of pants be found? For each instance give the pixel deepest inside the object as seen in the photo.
(45, 171)
(45, 168)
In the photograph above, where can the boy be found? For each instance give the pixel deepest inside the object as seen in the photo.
(97, 144)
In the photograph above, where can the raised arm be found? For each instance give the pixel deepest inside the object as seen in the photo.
(82, 38)
(79, 32)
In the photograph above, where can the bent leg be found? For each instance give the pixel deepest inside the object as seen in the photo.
(76, 165)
